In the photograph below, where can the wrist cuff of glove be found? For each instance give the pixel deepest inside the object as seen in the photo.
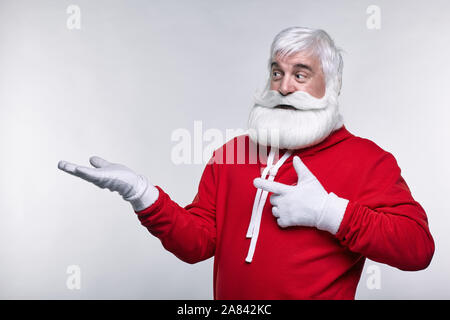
(332, 214)
(145, 198)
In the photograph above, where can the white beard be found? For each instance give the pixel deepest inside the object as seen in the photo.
(312, 121)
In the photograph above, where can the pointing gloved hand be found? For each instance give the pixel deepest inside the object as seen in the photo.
(305, 204)
(133, 187)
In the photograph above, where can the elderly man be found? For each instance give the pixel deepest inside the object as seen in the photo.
(299, 223)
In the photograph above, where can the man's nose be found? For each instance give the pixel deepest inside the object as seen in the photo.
(286, 87)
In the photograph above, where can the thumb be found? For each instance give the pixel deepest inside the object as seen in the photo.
(302, 170)
(98, 162)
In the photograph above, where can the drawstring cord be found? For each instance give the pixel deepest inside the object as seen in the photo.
(260, 200)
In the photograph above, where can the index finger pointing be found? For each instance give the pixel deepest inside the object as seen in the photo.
(270, 186)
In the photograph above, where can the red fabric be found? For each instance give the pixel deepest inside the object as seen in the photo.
(382, 222)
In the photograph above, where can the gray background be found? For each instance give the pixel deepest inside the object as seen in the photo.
(137, 71)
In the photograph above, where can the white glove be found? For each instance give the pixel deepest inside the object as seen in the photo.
(305, 204)
(133, 187)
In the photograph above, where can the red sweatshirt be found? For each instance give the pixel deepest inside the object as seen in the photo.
(382, 222)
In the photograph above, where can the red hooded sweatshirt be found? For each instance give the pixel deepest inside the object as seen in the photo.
(382, 222)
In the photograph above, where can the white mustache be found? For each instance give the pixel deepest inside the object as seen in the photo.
(300, 100)
(312, 120)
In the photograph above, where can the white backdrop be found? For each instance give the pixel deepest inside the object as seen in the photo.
(136, 71)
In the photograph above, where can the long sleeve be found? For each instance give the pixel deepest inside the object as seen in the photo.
(384, 223)
(189, 232)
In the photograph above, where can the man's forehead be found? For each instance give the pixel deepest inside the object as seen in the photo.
(294, 65)
(296, 60)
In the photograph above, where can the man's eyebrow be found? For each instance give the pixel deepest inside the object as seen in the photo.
(298, 65)
(303, 66)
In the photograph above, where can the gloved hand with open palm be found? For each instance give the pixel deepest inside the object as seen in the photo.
(133, 187)
(305, 204)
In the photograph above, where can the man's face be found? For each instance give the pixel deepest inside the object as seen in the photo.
(297, 111)
(298, 72)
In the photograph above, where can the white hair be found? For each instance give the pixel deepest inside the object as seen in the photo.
(315, 41)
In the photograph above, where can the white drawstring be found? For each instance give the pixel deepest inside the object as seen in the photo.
(258, 195)
(260, 200)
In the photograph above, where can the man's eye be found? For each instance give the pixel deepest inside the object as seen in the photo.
(300, 76)
(275, 74)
